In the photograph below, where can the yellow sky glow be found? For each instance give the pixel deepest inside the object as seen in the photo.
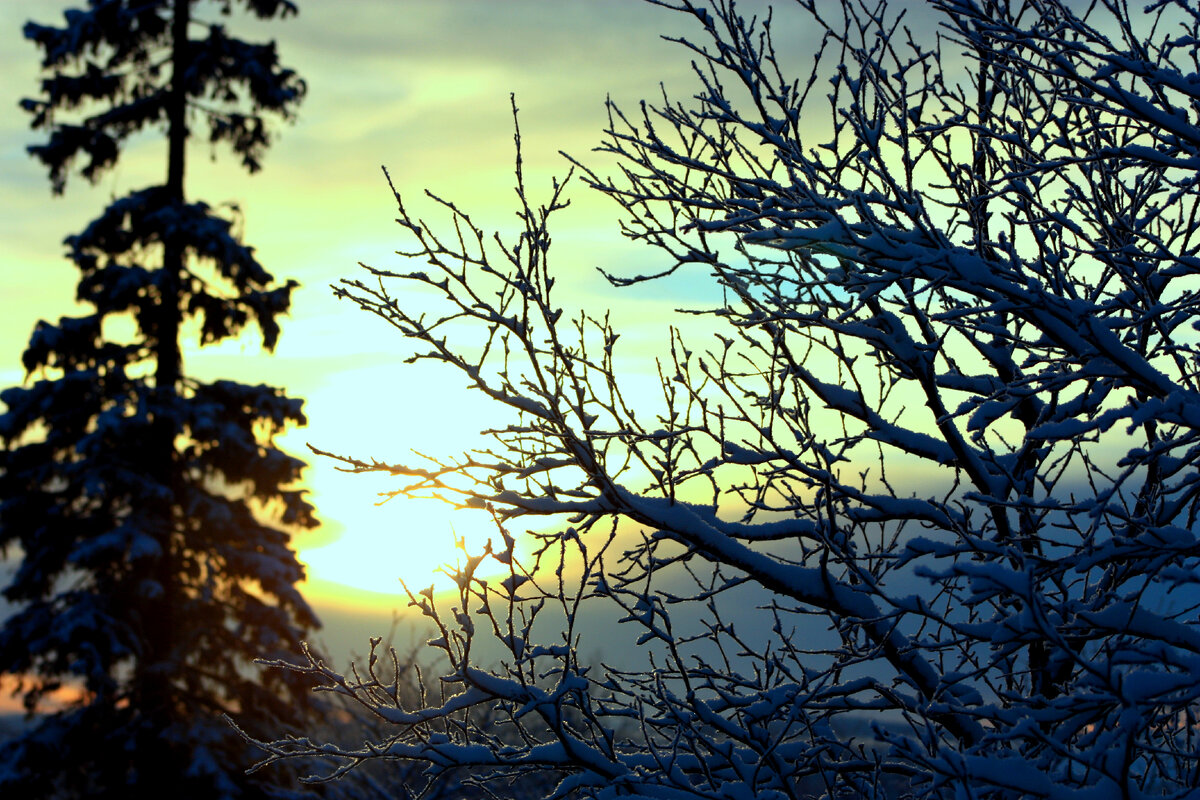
(422, 87)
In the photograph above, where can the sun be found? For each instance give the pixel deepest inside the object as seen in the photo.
(414, 541)
(373, 413)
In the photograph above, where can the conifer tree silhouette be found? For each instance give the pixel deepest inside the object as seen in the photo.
(151, 510)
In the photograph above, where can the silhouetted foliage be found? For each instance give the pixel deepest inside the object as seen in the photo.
(150, 511)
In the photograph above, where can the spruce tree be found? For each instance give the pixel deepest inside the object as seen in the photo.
(149, 510)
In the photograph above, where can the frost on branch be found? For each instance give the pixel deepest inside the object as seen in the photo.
(919, 519)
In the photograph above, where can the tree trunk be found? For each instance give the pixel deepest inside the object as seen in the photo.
(159, 768)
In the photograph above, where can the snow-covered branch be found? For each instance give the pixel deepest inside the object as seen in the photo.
(919, 519)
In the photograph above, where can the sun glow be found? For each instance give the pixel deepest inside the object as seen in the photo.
(418, 542)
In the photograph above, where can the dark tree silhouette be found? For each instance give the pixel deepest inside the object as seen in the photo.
(135, 496)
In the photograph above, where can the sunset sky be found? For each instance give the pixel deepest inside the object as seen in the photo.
(421, 86)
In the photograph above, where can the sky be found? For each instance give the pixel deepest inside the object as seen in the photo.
(421, 87)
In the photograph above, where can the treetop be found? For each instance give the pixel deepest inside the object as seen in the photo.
(114, 52)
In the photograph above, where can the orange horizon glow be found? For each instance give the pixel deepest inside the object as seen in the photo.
(60, 698)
